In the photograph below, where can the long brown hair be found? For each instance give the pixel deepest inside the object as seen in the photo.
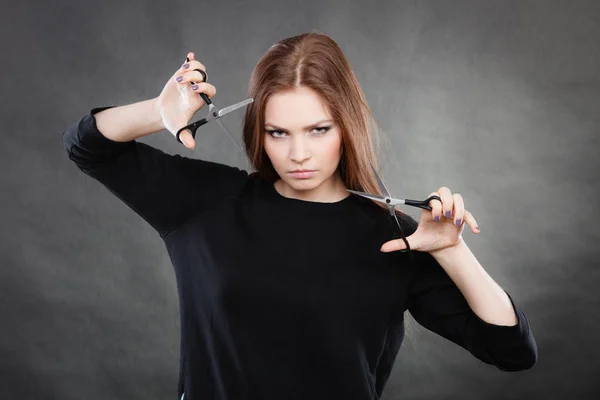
(314, 60)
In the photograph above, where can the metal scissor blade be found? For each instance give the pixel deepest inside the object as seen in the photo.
(382, 187)
(233, 107)
(229, 134)
(382, 199)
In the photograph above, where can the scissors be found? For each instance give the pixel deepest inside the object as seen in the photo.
(392, 203)
(213, 113)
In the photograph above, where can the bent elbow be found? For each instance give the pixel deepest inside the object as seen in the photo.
(525, 359)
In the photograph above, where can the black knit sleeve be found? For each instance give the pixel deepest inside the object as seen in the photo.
(436, 303)
(163, 189)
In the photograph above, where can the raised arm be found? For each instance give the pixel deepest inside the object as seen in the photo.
(164, 189)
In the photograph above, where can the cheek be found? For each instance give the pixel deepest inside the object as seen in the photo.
(331, 150)
(273, 151)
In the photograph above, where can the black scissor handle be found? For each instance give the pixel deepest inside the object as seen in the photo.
(204, 79)
(192, 128)
(424, 204)
(195, 125)
(397, 224)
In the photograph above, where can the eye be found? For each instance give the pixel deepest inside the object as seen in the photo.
(320, 131)
(274, 133)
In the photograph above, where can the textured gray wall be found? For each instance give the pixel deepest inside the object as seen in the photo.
(499, 100)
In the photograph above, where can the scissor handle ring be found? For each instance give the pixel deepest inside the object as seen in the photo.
(424, 204)
(433, 197)
(189, 127)
(193, 127)
(204, 77)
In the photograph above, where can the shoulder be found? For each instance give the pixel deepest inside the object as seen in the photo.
(216, 169)
(210, 178)
(408, 223)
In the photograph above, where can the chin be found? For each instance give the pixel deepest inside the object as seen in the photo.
(302, 184)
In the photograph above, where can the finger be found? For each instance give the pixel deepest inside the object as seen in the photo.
(194, 76)
(394, 245)
(446, 196)
(469, 219)
(436, 207)
(190, 56)
(186, 137)
(192, 65)
(459, 208)
(189, 77)
(205, 88)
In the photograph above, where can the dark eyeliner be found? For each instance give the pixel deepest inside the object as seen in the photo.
(322, 130)
(270, 131)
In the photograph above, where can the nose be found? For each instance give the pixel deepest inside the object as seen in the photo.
(300, 149)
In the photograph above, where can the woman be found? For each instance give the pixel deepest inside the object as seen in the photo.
(284, 292)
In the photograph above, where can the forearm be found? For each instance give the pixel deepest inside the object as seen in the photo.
(485, 297)
(129, 122)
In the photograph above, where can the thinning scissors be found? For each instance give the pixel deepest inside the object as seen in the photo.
(213, 113)
(392, 203)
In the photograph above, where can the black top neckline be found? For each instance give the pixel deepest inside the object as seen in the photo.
(306, 205)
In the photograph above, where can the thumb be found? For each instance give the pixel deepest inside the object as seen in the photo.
(187, 139)
(395, 245)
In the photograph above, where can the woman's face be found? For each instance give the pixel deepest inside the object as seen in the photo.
(300, 134)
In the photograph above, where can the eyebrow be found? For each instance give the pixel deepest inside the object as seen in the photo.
(306, 127)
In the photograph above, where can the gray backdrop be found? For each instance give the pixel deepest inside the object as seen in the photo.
(498, 100)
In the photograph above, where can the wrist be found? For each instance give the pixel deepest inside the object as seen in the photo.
(157, 120)
(450, 250)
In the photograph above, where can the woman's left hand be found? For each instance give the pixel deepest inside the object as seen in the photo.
(439, 228)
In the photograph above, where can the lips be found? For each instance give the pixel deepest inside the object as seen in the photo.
(302, 174)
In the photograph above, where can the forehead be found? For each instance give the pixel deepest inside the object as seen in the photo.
(296, 108)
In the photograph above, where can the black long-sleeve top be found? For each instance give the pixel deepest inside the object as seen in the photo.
(282, 298)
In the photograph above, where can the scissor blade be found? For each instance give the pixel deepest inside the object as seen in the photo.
(382, 187)
(382, 199)
(229, 134)
(234, 107)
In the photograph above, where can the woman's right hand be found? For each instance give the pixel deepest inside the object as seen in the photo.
(178, 102)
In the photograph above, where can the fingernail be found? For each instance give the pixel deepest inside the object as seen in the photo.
(448, 214)
(458, 222)
(437, 218)
(186, 66)
(179, 79)
(194, 87)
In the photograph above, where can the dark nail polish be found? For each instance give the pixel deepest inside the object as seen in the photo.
(448, 214)
(437, 218)
(186, 66)
(194, 87)
(458, 221)
(179, 79)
